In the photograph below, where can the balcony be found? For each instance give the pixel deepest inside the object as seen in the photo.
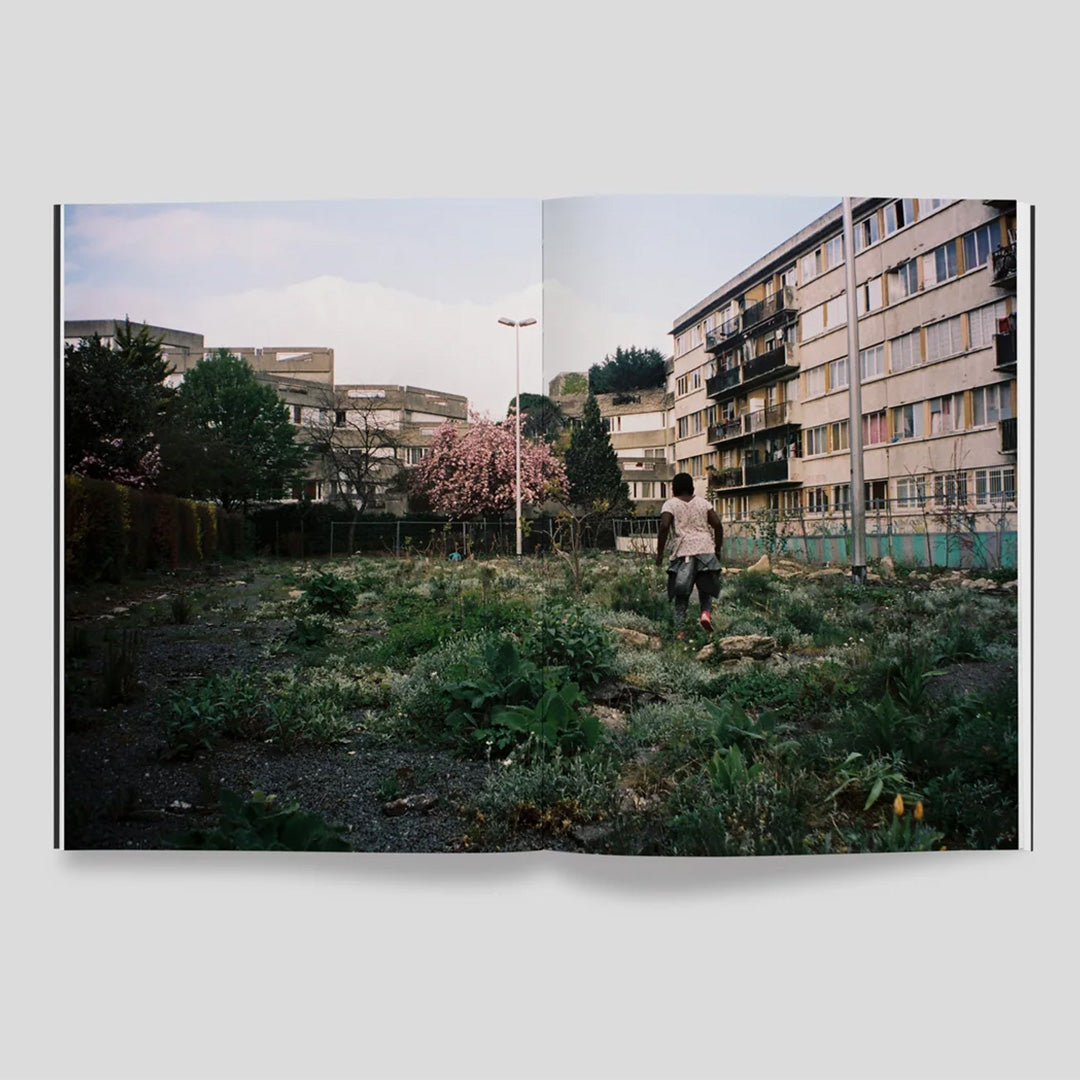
(763, 419)
(769, 365)
(725, 380)
(767, 472)
(1003, 267)
(1007, 430)
(1005, 351)
(726, 478)
(729, 429)
(723, 334)
(780, 303)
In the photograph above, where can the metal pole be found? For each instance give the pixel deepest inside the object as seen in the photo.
(855, 443)
(517, 365)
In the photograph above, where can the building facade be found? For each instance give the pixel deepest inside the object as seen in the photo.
(642, 435)
(761, 382)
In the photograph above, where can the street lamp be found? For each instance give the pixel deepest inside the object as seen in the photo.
(517, 363)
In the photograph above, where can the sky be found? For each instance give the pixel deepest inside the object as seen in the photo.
(410, 291)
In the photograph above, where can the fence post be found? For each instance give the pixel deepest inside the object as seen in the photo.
(397, 537)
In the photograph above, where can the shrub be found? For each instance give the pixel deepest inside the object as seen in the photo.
(119, 676)
(330, 594)
(197, 717)
(262, 825)
(573, 637)
(181, 607)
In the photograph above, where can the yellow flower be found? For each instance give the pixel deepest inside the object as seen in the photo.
(918, 811)
(898, 806)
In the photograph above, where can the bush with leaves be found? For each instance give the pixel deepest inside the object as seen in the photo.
(261, 824)
(573, 637)
(331, 594)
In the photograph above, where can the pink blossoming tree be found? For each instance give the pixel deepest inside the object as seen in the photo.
(470, 471)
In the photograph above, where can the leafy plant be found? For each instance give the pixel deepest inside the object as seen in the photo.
(910, 678)
(309, 634)
(871, 776)
(573, 637)
(331, 594)
(728, 770)
(181, 607)
(119, 676)
(555, 722)
(260, 824)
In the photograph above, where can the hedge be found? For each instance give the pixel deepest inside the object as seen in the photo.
(112, 530)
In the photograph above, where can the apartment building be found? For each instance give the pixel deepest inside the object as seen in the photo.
(641, 433)
(373, 431)
(761, 386)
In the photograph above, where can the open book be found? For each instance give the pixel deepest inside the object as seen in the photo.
(688, 526)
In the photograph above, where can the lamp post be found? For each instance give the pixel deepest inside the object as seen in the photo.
(517, 364)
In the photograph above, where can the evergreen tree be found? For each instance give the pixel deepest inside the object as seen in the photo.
(541, 418)
(592, 467)
(114, 400)
(629, 369)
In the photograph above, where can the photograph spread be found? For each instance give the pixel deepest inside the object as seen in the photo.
(615, 525)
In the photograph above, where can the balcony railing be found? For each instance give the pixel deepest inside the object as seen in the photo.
(1003, 266)
(778, 357)
(729, 429)
(767, 472)
(726, 478)
(723, 381)
(763, 419)
(777, 304)
(723, 333)
(1007, 428)
(1005, 350)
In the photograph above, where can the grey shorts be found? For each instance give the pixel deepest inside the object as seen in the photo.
(686, 571)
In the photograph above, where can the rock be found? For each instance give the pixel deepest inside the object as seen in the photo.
(420, 804)
(762, 566)
(295, 594)
(872, 578)
(887, 569)
(704, 654)
(612, 719)
(755, 646)
(1010, 586)
(637, 638)
(828, 571)
(590, 834)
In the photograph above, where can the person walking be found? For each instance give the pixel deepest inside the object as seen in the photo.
(698, 536)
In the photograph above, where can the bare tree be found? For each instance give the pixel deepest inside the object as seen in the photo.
(356, 442)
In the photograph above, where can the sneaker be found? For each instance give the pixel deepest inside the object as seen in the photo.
(706, 621)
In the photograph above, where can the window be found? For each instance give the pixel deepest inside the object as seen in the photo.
(695, 379)
(788, 277)
(872, 362)
(978, 244)
(995, 487)
(899, 214)
(989, 404)
(983, 324)
(834, 252)
(815, 382)
(836, 310)
(841, 496)
(905, 351)
(647, 489)
(415, 454)
(838, 373)
(868, 296)
(655, 453)
(866, 232)
(612, 423)
(339, 418)
(950, 489)
(817, 500)
(694, 337)
(682, 385)
(943, 339)
(297, 413)
(946, 414)
(876, 494)
(812, 322)
(810, 266)
(928, 206)
(873, 428)
(911, 491)
(816, 440)
(903, 281)
(907, 421)
(696, 420)
(940, 264)
(838, 435)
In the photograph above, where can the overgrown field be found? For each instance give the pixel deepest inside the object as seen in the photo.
(381, 704)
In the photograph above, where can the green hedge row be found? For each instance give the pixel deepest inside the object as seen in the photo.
(111, 530)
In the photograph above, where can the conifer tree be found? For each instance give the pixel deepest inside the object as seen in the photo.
(592, 467)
